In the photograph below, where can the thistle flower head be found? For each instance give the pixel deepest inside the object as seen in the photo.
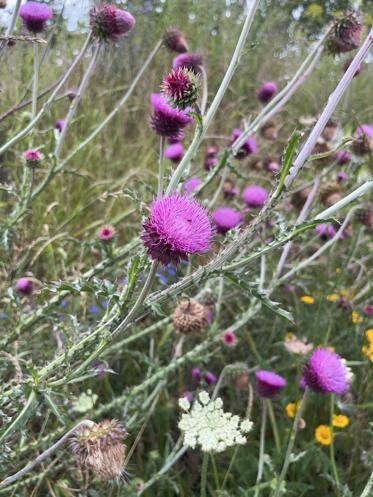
(35, 16)
(108, 23)
(175, 152)
(255, 196)
(342, 157)
(206, 425)
(326, 372)
(60, 125)
(229, 338)
(167, 121)
(191, 185)
(25, 286)
(190, 317)
(363, 143)
(33, 157)
(181, 88)
(248, 148)
(226, 219)
(266, 92)
(230, 190)
(100, 448)
(177, 226)
(174, 40)
(342, 176)
(346, 34)
(191, 61)
(106, 233)
(269, 384)
(325, 231)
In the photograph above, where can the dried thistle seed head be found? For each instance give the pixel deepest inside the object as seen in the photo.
(175, 41)
(299, 198)
(365, 215)
(100, 448)
(346, 35)
(330, 130)
(190, 317)
(322, 147)
(330, 194)
(269, 131)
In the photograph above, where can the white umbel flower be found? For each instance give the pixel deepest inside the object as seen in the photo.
(208, 426)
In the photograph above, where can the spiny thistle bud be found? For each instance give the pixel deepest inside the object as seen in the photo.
(365, 215)
(190, 317)
(174, 40)
(100, 448)
(346, 34)
(330, 194)
(108, 23)
(181, 87)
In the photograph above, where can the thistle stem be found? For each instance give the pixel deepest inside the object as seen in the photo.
(261, 447)
(35, 85)
(161, 166)
(332, 454)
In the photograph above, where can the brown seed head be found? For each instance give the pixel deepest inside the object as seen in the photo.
(190, 317)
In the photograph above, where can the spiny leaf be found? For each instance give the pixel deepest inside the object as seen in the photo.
(287, 159)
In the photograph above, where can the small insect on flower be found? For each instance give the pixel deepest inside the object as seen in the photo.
(340, 421)
(177, 227)
(174, 40)
(106, 233)
(324, 435)
(35, 16)
(109, 23)
(33, 157)
(229, 338)
(101, 448)
(326, 372)
(206, 425)
(167, 121)
(190, 317)
(307, 299)
(181, 87)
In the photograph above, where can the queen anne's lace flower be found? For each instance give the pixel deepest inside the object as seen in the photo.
(205, 424)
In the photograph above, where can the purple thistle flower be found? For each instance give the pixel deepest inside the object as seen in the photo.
(192, 61)
(346, 35)
(106, 233)
(342, 157)
(210, 378)
(175, 41)
(33, 157)
(108, 23)
(230, 190)
(196, 374)
(248, 148)
(342, 176)
(60, 125)
(175, 152)
(325, 231)
(255, 196)
(226, 219)
(25, 286)
(365, 130)
(229, 338)
(266, 92)
(177, 226)
(181, 87)
(269, 384)
(188, 395)
(35, 16)
(326, 372)
(191, 185)
(368, 309)
(179, 139)
(209, 163)
(165, 120)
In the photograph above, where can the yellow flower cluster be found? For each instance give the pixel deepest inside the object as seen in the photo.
(368, 349)
(356, 318)
(324, 434)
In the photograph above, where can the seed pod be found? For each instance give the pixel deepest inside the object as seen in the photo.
(175, 41)
(190, 317)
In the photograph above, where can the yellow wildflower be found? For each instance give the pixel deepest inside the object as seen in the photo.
(338, 270)
(340, 421)
(292, 408)
(290, 336)
(368, 351)
(324, 435)
(307, 299)
(369, 334)
(356, 318)
(332, 297)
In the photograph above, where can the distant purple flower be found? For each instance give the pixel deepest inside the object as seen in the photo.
(210, 378)
(342, 176)
(325, 231)
(196, 374)
(191, 185)
(302, 383)
(35, 16)
(108, 23)
(248, 148)
(269, 384)
(226, 219)
(106, 233)
(188, 395)
(192, 61)
(165, 120)
(230, 190)
(25, 286)
(229, 338)
(60, 125)
(326, 372)
(266, 92)
(180, 138)
(368, 309)
(365, 130)
(255, 196)
(33, 157)
(177, 226)
(209, 163)
(211, 151)
(347, 65)
(174, 40)
(273, 166)
(175, 152)
(342, 157)
(94, 309)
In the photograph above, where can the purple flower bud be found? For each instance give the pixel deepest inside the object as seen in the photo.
(226, 219)
(342, 176)
(266, 92)
(25, 286)
(174, 40)
(108, 23)
(325, 231)
(60, 125)
(210, 378)
(175, 152)
(192, 61)
(191, 185)
(106, 233)
(248, 148)
(342, 157)
(269, 384)
(196, 374)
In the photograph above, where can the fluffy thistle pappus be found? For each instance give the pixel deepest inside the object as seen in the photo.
(174, 40)
(190, 317)
(191, 61)
(100, 448)
(108, 23)
(326, 372)
(177, 227)
(35, 16)
(181, 87)
(346, 34)
(167, 121)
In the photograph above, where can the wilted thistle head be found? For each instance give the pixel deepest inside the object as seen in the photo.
(100, 448)
(191, 61)
(190, 317)
(330, 193)
(33, 157)
(326, 372)
(167, 121)
(226, 219)
(269, 384)
(363, 142)
(346, 34)
(174, 40)
(35, 16)
(266, 92)
(181, 87)
(108, 23)
(177, 226)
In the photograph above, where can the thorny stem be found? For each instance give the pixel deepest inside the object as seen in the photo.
(205, 92)
(35, 85)
(261, 447)
(47, 453)
(332, 455)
